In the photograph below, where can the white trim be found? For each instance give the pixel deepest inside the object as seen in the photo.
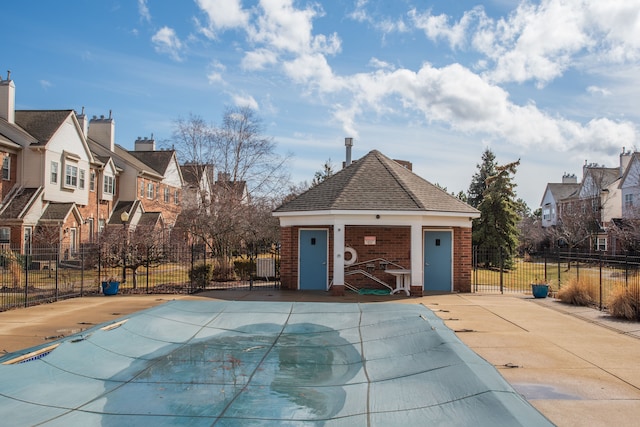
(326, 280)
(384, 219)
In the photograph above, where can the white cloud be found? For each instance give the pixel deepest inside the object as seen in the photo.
(45, 84)
(143, 10)
(223, 15)
(245, 101)
(166, 41)
(259, 59)
(214, 76)
(438, 27)
(596, 90)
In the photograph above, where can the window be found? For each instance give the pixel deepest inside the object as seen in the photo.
(150, 190)
(54, 172)
(601, 243)
(142, 188)
(176, 197)
(108, 185)
(71, 176)
(81, 180)
(92, 181)
(101, 225)
(546, 213)
(5, 234)
(628, 200)
(6, 168)
(166, 195)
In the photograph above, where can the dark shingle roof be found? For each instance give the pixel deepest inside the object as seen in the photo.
(157, 160)
(149, 219)
(376, 182)
(562, 191)
(56, 211)
(41, 124)
(18, 202)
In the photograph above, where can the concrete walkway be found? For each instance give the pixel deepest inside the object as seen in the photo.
(575, 365)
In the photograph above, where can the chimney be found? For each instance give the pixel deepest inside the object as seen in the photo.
(102, 131)
(348, 143)
(145, 144)
(83, 121)
(625, 158)
(8, 99)
(569, 178)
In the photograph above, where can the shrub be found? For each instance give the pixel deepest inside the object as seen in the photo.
(244, 267)
(577, 292)
(201, 275)
(624, 302)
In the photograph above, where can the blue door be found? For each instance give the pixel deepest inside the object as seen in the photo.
(313, 260)
(437, 261)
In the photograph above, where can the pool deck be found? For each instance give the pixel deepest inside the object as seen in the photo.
(576, 365)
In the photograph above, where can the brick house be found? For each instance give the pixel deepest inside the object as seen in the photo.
(376, 224)
(64, 179)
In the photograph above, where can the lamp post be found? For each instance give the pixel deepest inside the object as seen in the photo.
(124, 217)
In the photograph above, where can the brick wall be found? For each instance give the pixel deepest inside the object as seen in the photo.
(392, 244)
(462, 262)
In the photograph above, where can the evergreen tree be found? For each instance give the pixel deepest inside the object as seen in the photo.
(497, 226)
(479, 180)
(326, 172)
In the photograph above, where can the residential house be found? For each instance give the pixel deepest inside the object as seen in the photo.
(64, 179)
(554, 194)
(149, 181)
(375, 223)
(198, 184)
(595, 203)
(51, 161)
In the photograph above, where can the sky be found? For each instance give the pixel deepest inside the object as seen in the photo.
(552, 83)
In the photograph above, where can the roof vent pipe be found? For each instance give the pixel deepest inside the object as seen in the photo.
(348, 142)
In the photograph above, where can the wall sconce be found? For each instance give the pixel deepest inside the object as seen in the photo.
(66, 230)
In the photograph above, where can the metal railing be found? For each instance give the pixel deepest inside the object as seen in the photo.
(597, 272)
(51, 273)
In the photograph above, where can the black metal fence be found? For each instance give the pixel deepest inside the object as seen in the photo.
(50, 273)
(597, 272)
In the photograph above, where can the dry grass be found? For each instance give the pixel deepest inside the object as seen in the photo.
(624, 302)
(579, 292)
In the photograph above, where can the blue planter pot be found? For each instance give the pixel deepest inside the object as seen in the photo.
(540, 290)
(110, 288)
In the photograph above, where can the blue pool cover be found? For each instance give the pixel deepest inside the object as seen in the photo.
(220, 363)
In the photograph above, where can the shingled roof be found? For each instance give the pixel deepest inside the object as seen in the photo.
(376, 182)
(41, 124)
(157, 160)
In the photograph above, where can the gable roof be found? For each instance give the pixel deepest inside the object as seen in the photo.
(376, 182)
(56, 211)
(18, 202)
(561, 191)
(157, 160)
(41, 124)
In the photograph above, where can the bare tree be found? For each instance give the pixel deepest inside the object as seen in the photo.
(250, 175)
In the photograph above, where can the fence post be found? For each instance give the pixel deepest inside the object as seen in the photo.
(26, 279)
(82, 247)
(501, 270)
(57, 269)
(192, 264)
(626, 270)
(600, 263)
(558, 263)
(545, 267)
(147, 274)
